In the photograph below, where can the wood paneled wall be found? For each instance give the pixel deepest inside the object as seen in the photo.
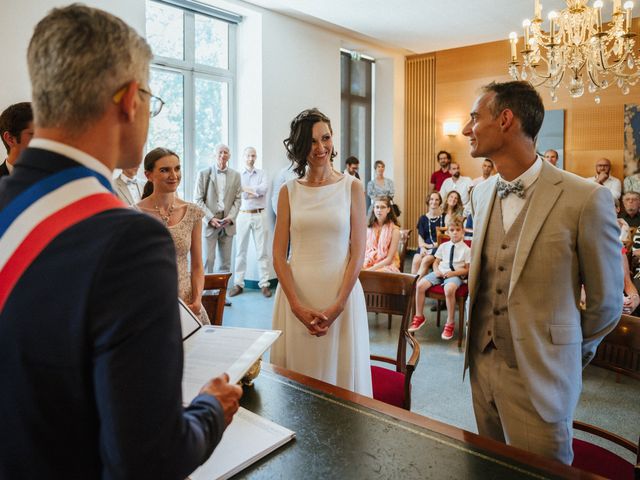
(420, 101)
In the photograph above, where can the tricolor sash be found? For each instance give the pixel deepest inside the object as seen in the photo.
(42, 212)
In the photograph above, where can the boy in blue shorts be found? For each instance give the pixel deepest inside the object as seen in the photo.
(451, 264)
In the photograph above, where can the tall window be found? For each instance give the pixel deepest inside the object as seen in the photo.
(193, 71)
(357, 85)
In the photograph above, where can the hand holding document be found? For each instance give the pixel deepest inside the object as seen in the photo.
(227, 394)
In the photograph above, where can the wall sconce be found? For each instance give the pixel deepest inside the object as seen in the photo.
(451, 128)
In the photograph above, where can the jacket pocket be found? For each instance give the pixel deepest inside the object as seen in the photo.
(565, 334)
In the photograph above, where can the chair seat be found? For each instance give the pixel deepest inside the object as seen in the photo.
(388, 385)
(595, 459)
(461, 292)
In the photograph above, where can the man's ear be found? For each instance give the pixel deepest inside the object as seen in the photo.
(9, 139)
(130, 102)
(507, 119)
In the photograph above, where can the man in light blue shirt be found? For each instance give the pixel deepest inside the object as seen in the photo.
(252, 220)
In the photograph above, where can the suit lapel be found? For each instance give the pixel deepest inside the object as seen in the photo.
(122, 188)
(481, 213)
(544, 197)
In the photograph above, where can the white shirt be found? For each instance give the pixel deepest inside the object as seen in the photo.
(478, 180)
(462, 186)
(461, 255)
(9, 167)
(132, 186)
(221, 186)
(72, 153)
(512, 204)
(256, 180)
(612, 183)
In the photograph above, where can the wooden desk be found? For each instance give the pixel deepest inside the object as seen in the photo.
(342, 435)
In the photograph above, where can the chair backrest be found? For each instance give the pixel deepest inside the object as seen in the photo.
(391, 293)
(214, 295)
(620, 350)
(402, 246)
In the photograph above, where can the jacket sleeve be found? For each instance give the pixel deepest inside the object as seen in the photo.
(201, 192)
(145, 432)
(237, 199)
(601, 276)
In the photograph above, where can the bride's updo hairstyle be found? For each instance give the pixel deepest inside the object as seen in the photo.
(298, 144)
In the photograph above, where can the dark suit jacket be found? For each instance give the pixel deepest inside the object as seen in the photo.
(91, 353)
(4, 170)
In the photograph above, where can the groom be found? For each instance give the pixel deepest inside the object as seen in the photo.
(533, 249)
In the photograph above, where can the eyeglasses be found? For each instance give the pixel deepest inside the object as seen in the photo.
(155, 102)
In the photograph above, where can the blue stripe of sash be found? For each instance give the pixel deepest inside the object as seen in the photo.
(38, 190)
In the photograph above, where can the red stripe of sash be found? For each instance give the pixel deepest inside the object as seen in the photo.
(46, 231)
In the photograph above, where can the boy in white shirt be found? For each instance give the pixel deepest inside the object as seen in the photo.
(451, 264)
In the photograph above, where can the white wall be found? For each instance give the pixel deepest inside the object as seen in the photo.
(17, 22)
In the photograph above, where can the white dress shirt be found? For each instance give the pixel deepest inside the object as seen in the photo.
(9, 167)
(257, 181)
(512, 204)
(462, 186)
(72, 153)
(612, 183)
(221, 186)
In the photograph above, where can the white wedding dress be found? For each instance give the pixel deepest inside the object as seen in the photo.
(319, 236)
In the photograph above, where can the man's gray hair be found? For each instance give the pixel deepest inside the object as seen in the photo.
(78, 59)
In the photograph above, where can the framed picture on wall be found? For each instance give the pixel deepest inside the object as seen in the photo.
(551, 136)
(631, 139)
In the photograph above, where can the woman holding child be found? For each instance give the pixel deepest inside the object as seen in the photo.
(383, 235)
(450, 266)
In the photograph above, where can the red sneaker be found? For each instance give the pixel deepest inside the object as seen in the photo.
(447, 333)
(417, 323)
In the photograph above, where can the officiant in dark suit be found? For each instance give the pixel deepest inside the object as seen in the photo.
(90, 334)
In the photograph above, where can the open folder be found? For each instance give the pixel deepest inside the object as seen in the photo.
(210, 351)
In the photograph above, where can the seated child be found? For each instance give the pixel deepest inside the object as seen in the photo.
(451, 264)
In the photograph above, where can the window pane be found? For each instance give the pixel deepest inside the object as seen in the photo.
(358, 130)
(345, 61)
(165, 30)
(359, 78)
(212, 42)
(212, 119)
(167, 129)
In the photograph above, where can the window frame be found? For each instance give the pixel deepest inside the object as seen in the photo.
(190, 71)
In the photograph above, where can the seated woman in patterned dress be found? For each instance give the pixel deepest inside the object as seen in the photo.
(182, 219)
(383, 235)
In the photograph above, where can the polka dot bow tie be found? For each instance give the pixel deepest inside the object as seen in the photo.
(505, 188)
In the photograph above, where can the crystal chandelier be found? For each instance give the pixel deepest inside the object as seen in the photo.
(576, 51)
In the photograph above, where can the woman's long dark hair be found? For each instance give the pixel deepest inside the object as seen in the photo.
(391, 216)
(298, 144)
(150, 160)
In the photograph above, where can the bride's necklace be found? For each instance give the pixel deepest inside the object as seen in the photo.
(165, 216)
(321, 181)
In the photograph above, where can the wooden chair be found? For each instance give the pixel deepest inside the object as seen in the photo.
(596, 459)
(394, 294)
(436, 292)
(620, 350)
(214, 296)
(402, 246)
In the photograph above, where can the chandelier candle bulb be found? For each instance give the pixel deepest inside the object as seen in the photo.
(552, 25)
(513, 39)
(526, 24)
(628, 6)
(598, 7)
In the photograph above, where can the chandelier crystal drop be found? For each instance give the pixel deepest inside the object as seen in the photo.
(576, 52)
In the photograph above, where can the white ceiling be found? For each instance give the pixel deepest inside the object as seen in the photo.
(419, 26)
